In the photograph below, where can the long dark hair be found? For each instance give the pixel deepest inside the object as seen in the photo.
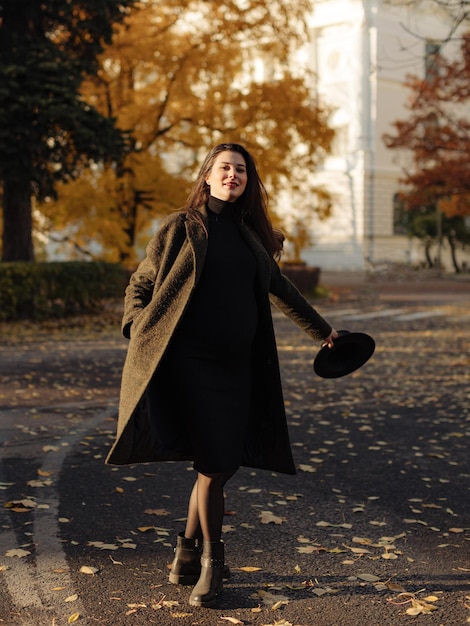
(253, 202)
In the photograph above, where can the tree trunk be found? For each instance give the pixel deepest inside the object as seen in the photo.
(453, 253)
(17, 221)
(427, 252)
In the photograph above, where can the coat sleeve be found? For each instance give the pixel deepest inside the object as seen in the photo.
(285, 295)
(163, 245)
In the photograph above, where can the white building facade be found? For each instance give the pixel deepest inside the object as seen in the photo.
(362, 51)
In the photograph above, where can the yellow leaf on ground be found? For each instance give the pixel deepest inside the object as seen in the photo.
(44, 473)
(250, 568)
(267, 517)
(228, 528)
(17, 552)
(71, 598)
(358, 550)
(307, 468)
(103, 546)
(26, 503)
(413, 610)
(156, 512)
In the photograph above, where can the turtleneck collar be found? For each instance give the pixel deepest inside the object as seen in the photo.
(222, 206)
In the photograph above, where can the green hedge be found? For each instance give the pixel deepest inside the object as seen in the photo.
(42, 290)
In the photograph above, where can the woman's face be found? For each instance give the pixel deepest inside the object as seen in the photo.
(228, 177)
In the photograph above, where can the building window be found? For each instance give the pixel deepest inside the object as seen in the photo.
(339, 145)
(400, 216)
(431, 61)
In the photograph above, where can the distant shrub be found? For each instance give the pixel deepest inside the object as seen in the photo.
(42, 290)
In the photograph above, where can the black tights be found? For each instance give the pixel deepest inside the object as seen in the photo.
(206, 506)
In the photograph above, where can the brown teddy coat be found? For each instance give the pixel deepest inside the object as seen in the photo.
(156, 298)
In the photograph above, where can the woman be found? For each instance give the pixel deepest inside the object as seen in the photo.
(201, 379)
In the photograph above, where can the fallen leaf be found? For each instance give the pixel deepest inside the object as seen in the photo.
(318, 591)
(39, 483)
(270, 598)
(267, 517)
(277, 605)
(88, 569)
(72, 598)
(27, 503)
(250, 568)
(156, 512)
(370, 578)
(44, 473)
(413, 610)
(115, 562)
(228, 528)
(307, 468)
(169, 604)
(17, 552)
(358, 550)
(103, 546)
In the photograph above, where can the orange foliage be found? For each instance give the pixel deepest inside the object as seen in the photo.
(437, 136)
(180, 77)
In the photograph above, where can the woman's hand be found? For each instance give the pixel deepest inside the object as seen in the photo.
(329, 341)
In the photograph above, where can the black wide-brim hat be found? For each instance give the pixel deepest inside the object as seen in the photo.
(349, 352)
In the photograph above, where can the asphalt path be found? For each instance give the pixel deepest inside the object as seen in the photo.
(374, 528)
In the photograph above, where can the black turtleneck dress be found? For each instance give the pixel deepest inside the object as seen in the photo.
(207, 368)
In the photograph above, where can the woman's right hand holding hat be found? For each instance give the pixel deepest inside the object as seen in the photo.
(329, 341)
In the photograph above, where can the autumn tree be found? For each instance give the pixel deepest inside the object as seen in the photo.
(436, 140)
(48, 132)
(182, 76)
(454, 13)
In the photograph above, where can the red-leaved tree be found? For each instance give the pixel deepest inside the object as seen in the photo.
(435, 139)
